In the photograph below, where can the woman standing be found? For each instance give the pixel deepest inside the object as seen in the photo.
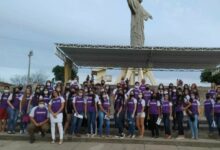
(56, 106)
(167, 114)
(24, 110)
(46, 96)
(140, 115)
(193, 112)
(131, 109)
(119, 115)
(208, 111)
(179, 114)
(104, 114)
(91, 112)
(69, 109)
(217, 113)
(3, 108)
(79, 110)
(14, 101)
(154, 112)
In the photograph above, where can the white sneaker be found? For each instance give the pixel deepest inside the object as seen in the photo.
(180, 138)
(52, 142)
(132, 136)
(21, 131)
(92, 135)
(88, 135)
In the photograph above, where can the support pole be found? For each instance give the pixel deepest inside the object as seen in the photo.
(67, 70)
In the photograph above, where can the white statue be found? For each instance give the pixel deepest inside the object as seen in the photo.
(138, 16)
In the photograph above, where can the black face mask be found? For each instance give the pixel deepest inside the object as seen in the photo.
(147, 88)
(154, 97)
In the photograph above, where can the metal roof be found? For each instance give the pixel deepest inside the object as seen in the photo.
(139, 57)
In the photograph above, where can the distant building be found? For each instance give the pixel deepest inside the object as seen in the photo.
(3, 84)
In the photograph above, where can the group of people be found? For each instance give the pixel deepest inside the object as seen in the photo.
(138, 107)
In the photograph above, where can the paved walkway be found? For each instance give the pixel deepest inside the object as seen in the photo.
(23, 145)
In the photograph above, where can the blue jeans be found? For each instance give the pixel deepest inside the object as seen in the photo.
(131, 123)
(166, 122)
(194, 126)
(107, 123)
(119, 122)
(209, 118)
(12, 118)
(76, 124)
(91, 122)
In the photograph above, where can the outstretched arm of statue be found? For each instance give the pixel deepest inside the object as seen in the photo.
(147, 15)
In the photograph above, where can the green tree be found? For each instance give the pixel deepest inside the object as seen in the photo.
(206, 76)
(58, 72)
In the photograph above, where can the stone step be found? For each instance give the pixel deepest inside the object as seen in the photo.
(211, 143)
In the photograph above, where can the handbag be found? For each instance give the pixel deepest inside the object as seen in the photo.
(26, 118)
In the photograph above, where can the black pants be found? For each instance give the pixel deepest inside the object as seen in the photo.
(119, 122)
(166, 122)
(154, 128)
(174, 118)
(179, 117)
(146, 118)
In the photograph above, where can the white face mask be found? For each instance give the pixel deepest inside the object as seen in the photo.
(6, 91)
(41, 105)
(48, 84)
(136, 86)
(45, 92)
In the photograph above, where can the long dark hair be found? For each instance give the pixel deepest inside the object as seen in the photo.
(14, 94)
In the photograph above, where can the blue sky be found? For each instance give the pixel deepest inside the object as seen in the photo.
(37, 25)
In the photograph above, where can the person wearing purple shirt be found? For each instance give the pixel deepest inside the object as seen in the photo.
(104, 114)
(136, 89)
(193, 111)
(208, 111)
(24, 110)
(166, 108)
(49, 87)
(91, 112)
(154, 112)
(140, 115)
(46, 96)
(217, 113)
(3, 108)
(179, 108)
(119, 114)
(147, 93)
(79, 109)
(142, 87)
(14, 101)
(131, 110)
(56, 106)
(39, 117)
(174, 102)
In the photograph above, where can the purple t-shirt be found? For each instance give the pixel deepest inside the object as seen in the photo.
(3, 100)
